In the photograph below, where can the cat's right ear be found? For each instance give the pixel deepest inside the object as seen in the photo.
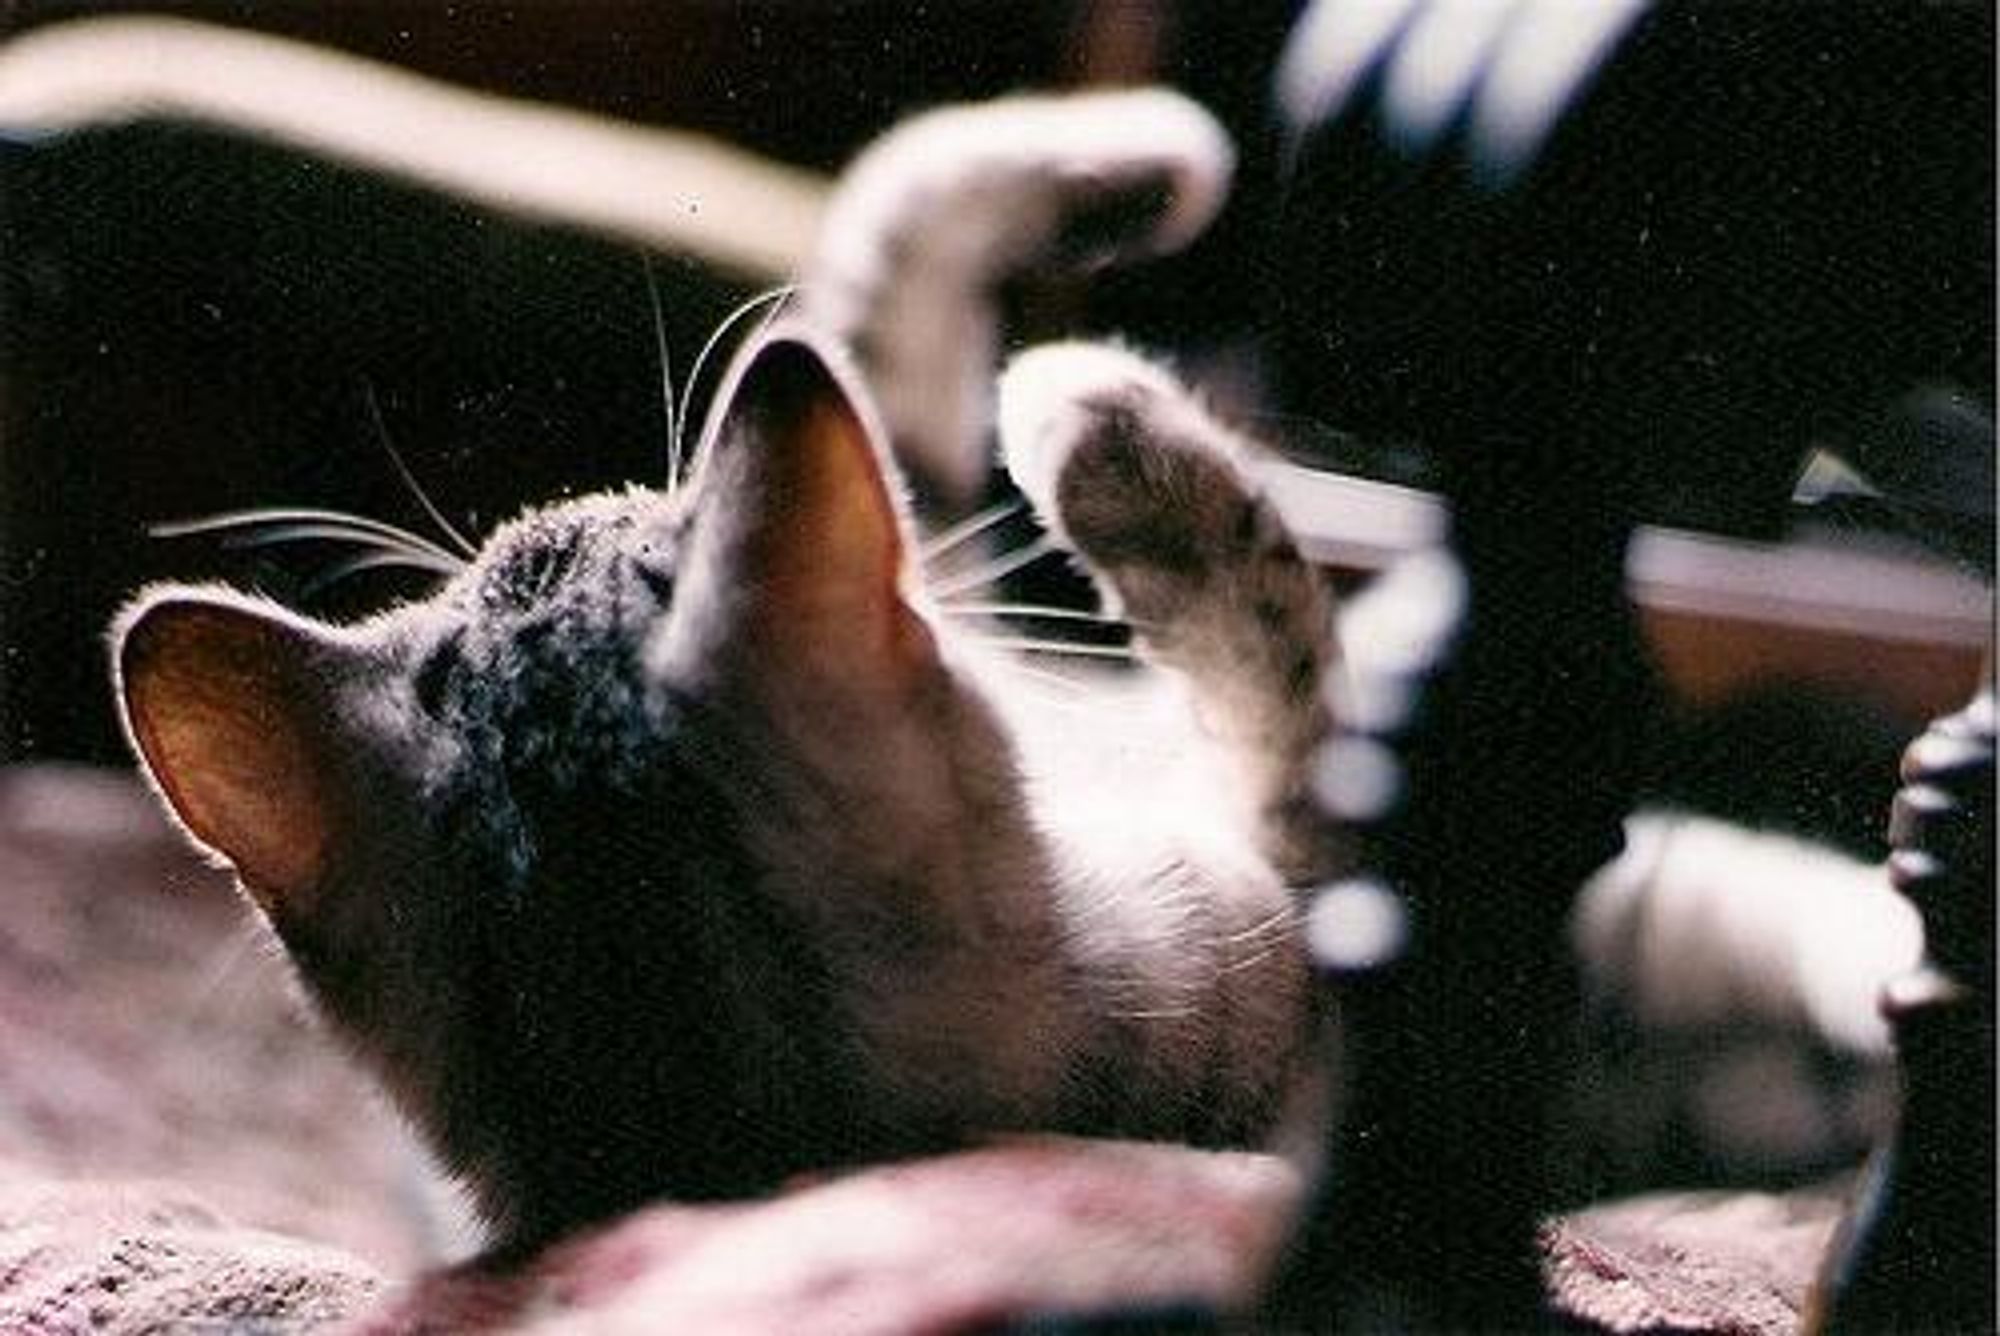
(804, 526)
(228, 703)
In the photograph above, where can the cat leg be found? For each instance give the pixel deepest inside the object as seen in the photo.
(926, 227)
(1128, 471)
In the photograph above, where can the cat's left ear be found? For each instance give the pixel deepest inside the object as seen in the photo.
(229, 704)
(800, 520)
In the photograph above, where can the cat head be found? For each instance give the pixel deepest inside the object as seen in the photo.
(592, 852)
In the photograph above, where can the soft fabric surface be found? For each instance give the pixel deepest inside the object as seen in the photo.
(952, 1244)
(178, 1147)
(148, 1030)
(138, 1257)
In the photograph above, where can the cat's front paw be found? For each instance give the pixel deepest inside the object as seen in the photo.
(938, 216)
(1126, 469)
(1131, 473)
(995, 188)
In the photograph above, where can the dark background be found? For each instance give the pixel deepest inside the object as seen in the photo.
(191, 322)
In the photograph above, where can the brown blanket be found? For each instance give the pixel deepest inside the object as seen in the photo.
(178, 1146)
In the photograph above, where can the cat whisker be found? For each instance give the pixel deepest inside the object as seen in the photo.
(367, 561)
(436, 516)
(667, 406)
(247, 944)
(997, 569)
(1272, 936)
(1247, 954)
(1276, 925)
(1025, 645)
(308, 532)
(251, 528)
(774, 299)
(1250, 962)
(1031, 612)
(950, 539)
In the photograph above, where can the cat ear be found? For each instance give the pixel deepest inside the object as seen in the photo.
(227, 703)
(801, 509)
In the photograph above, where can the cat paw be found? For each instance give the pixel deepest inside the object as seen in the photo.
(1126, 469)
(934, 218)
(1130, 472)
(993, 188)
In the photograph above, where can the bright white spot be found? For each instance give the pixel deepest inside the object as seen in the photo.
(1391, 633)
(1357, 779)
(1548, 54)
(1703, 923)
(1402, 621)
(1356, 925)
(1329, 54)
(1438, 65)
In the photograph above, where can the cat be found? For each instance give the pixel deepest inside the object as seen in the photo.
(691, 840)
(678, 846)
(683, 842)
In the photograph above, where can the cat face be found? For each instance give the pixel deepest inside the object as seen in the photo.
(626, 857)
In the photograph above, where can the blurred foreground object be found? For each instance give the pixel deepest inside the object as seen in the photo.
(1602, 264)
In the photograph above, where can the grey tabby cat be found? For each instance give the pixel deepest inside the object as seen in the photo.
(685, 842)
(690, 840)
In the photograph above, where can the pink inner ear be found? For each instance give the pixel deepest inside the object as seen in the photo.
(224, 713)
(830, 530)
(821, 550)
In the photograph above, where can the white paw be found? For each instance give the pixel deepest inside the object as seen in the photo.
(936, 216)
(1125, 468)
(991, 187)
(1055, 396)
